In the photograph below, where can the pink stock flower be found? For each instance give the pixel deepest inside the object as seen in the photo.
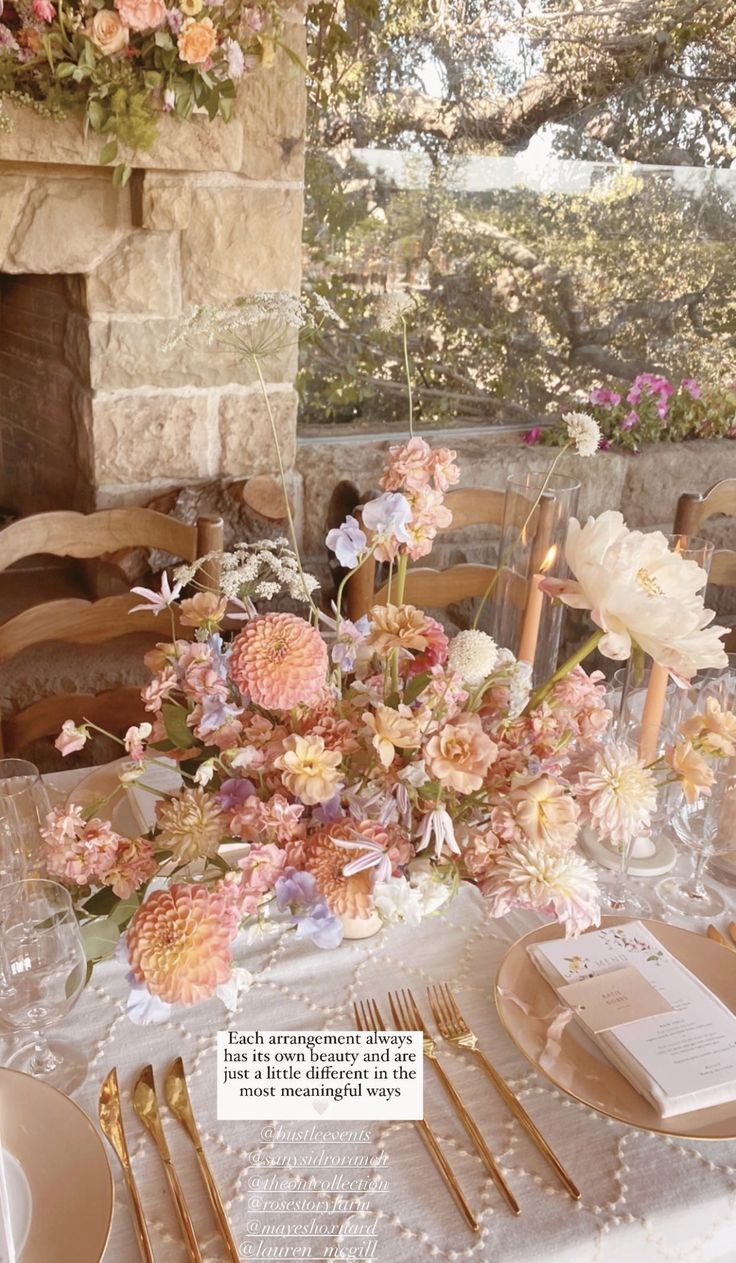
(409, 466)
(78, 851)
(178, 943)
(135, 863)
(280, 660)
(159, 690)
(261, 867)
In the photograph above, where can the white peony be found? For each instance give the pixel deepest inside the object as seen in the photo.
(639, 592)
(473, 655)
(397, 902)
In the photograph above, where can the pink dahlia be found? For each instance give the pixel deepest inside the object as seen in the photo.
(280, 660)
(179, 943)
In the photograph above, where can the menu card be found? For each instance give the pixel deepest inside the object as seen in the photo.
(681, 1059)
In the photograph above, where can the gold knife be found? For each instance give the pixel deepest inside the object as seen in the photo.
(177, 1096)
(109, 1112)
(145, 1104)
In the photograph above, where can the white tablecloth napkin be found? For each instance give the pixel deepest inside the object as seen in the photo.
(644, 1197)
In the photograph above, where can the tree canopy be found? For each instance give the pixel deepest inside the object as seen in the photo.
(526, 291)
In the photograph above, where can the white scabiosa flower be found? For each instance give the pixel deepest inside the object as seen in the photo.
(473, 655)
(584, 432)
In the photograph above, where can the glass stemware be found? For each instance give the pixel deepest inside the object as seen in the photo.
(47, 968)
(706, 827)
(24, 806)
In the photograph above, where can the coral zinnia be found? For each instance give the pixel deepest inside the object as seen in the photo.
(280, 660)
(179, 943)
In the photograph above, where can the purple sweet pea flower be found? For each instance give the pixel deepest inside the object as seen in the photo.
(348, 542)
(388, 516)
(532, 436)
(691, 386)
(234, 792)
(215, 713)
(321, 925)
(175, 18)
(345, 647)
(330, 811)
(295, 890)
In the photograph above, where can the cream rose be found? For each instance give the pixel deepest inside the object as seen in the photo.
(142, 15)
(108, 32)
(196, 40)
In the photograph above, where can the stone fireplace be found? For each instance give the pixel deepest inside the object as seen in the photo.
(94, 410)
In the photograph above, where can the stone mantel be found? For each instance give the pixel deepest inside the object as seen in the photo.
(212, 212)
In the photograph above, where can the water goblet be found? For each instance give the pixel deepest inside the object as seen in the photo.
(705, 826)
(47, 969)
(24, 806)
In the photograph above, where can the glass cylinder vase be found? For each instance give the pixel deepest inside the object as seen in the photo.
(537, 510)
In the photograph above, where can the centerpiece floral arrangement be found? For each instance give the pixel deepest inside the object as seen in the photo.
(125, 63)
(334, 771)
(653, 410)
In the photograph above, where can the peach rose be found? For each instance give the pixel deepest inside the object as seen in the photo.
(196, 40)
(546, 812)
(460, 754)
(142, 15)
(108, 32)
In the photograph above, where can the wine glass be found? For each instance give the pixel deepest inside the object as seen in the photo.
(24, 806)
(47, 969)
(705, 826)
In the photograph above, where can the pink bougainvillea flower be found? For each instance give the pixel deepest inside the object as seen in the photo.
(280, 660)
(533, 436)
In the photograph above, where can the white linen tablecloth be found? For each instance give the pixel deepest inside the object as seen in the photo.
(644, 1197)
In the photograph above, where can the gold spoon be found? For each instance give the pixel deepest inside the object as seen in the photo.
(145, 1104)
(177, 1096)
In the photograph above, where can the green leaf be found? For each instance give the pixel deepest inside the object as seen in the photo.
(124, 910)
(101, 903)
(96, 114)
(415, 686)
(121, 175)
(64, 69)
(175, 723)
(109, 152)
(163, 40)
(100, 938)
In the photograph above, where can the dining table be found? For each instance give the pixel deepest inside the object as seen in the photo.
(369, 1190)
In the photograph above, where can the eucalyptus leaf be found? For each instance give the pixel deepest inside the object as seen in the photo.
(100, 938)
(175, 723)
(109, 152)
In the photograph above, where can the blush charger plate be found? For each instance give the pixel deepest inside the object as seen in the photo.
(63, 1159)
(590, 1078)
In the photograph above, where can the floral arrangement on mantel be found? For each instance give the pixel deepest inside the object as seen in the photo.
(335, 773)
(125, 63)
(653, 410)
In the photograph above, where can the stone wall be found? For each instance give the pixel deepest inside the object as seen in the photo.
(645, 487)
(214, 211)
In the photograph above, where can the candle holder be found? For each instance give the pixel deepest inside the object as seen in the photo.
(537, 510)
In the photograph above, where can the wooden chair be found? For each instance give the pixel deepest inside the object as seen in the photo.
(693, 509)
(427, 587)
(87, 622)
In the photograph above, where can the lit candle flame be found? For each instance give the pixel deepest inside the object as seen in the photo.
(549, 559)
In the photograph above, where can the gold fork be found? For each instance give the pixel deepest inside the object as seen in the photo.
(368, 1018)
(453, 1028)
(407, 1017)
